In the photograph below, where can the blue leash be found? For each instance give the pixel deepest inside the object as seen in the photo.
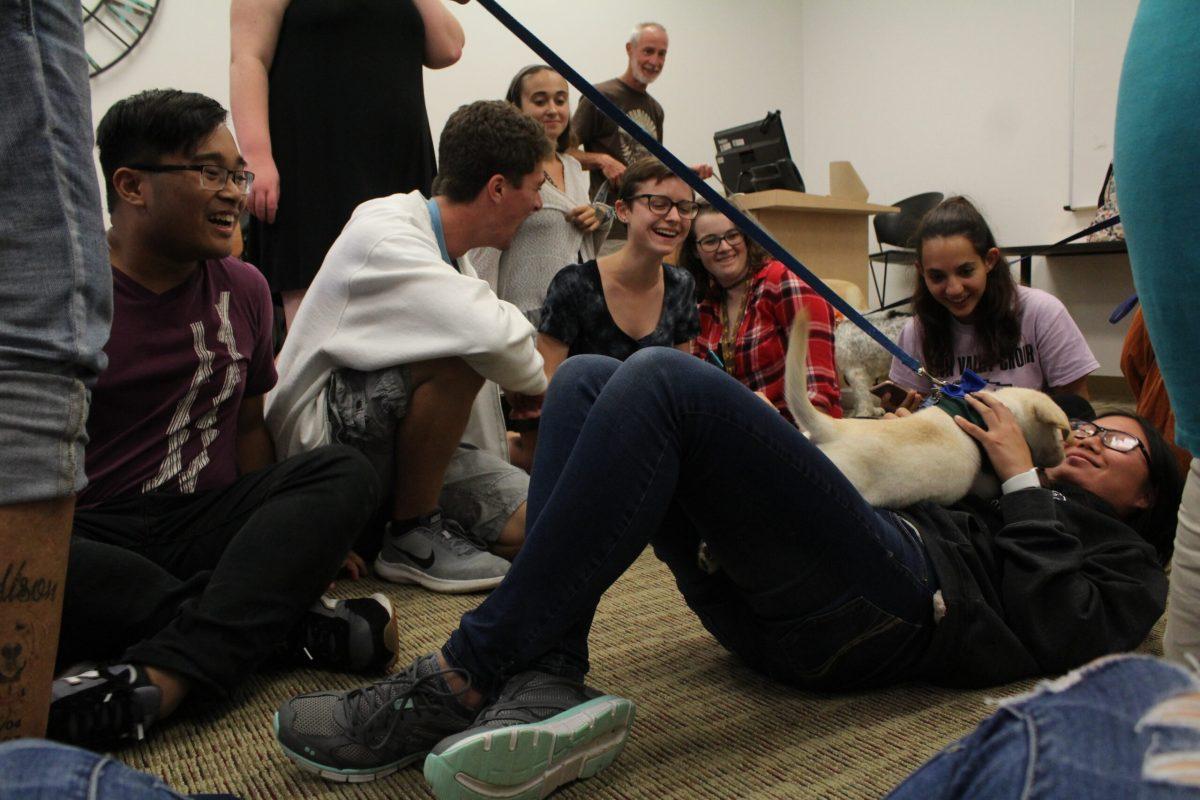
(684, 173)
(740, 219)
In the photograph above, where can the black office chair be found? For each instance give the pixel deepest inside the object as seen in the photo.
(897, 230)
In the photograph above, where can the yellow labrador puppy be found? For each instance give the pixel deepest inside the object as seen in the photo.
(923, 456)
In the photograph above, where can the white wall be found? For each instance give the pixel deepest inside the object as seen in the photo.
(963, 98)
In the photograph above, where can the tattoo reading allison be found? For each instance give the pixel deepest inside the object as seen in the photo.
(16, 588)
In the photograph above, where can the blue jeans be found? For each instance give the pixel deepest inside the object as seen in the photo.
(815, 587)
(55, 285)
(1102, 731)
(33, 769)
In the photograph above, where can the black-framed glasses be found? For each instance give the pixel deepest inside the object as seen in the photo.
(212, 177)
(712, 242)
(661, 204)
(1120, 441)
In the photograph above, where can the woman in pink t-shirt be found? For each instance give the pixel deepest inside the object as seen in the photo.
(970, 314)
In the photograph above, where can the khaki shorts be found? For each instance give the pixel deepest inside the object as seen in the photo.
(480, 491)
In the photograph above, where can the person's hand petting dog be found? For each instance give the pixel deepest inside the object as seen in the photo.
(1003, 441)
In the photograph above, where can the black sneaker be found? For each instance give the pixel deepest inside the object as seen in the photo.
(102, 706)
(367, 733)
(358, 635)
(542, 732)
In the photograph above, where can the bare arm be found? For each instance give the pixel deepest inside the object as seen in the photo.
(612, 169)
(444, 37)
(254, 32)
(254, 447)
(553, 353)
(1078, 387)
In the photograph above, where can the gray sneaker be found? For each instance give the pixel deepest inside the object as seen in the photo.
(439, 556)
(542, 732)
(367, 733)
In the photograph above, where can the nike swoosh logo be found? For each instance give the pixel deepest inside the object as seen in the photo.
(423, 563)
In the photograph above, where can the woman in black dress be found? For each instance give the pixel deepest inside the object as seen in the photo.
(329, 107)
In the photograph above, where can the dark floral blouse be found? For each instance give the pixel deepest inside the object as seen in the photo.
(576, 313)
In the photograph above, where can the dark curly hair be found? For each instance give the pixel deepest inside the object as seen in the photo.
(689, 258)
(998, 319)
(146, 126)
(513, 95)
(486, 138)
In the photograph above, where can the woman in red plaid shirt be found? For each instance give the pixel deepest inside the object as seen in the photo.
(747, 304)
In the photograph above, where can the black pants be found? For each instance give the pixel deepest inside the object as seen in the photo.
(208, 585)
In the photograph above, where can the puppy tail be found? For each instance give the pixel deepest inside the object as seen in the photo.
(795, 383)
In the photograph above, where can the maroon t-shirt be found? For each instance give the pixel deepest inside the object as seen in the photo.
(164, 414)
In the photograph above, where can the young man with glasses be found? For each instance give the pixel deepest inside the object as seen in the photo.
(398, 350)
(194, 556)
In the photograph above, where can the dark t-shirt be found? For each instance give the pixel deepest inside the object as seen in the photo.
(576, 313)
(164, 414)
(599, 134)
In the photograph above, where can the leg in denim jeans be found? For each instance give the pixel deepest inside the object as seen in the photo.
(40, 770)
(665, 448)
(55, 292)
(1111, 729)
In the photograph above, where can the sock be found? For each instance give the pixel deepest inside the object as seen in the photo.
(432, 520)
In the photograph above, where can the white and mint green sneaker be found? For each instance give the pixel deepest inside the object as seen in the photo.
(542, 732)
(440, 556)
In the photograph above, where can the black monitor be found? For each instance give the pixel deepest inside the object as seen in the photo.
(754, 157)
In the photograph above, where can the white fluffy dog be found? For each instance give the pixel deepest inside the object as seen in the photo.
(863, 363)
(924, 456)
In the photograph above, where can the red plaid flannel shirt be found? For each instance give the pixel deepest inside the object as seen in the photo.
(761, 343)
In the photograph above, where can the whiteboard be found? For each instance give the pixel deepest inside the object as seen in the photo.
(1099, 32)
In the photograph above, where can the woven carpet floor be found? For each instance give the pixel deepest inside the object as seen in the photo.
(706, 726)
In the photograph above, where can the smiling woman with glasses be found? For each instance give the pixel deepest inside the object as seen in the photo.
(747, 302)
(629, 300)
(1121, 441)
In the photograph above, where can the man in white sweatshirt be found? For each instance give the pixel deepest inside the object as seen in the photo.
(397, 350)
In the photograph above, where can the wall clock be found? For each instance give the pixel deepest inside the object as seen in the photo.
(111, 28)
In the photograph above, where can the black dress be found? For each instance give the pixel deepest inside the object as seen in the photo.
(347, 121)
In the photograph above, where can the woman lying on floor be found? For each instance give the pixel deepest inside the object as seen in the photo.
(811, 585)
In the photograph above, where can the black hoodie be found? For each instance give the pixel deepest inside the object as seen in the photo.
(1037, 582)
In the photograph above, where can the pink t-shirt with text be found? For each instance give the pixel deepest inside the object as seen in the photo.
(1051, 351)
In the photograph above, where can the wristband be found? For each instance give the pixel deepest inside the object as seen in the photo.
(1022, 480)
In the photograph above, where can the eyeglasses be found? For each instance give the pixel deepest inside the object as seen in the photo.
(1120, 441)
(712, 242)
(212, 177)
(661, 204)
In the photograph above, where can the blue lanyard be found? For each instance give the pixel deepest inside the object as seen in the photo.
(435, 219)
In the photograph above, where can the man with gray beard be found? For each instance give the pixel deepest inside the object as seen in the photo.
(607, 148)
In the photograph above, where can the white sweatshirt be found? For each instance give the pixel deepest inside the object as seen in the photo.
(383, 297)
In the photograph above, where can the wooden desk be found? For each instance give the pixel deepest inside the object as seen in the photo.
(1028, 251)
(827, 233)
